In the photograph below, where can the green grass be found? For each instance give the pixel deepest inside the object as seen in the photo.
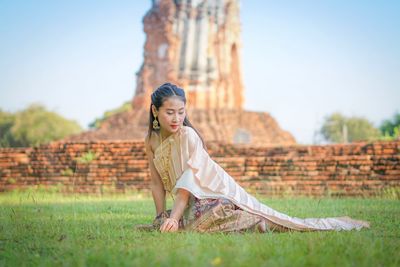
(38, 229)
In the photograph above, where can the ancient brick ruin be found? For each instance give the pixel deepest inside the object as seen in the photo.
(359, 169)
(196, 45)
(233, 126)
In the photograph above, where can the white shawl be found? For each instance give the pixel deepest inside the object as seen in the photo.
(192, 169)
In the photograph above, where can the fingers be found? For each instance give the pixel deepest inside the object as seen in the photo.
(173, 228)
(165, 226)
(169, 226)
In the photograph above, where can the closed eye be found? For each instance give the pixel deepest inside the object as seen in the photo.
(171, 112)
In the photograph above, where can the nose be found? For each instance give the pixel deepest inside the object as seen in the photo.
(175, 118)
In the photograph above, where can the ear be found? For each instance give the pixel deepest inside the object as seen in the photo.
(154, 110)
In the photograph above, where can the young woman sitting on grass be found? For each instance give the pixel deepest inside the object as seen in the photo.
(206, 198)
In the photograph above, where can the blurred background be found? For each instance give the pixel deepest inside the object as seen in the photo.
(327, 71)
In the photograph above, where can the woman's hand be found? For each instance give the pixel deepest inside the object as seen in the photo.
(169, 225)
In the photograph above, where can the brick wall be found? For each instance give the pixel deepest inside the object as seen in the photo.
(94, 167)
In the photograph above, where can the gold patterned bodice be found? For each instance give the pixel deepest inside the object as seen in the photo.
(167, 161)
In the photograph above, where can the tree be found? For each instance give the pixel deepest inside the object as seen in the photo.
(6, 122)
(390, 129)
(340, 129)
(127, 106)
(33, 126)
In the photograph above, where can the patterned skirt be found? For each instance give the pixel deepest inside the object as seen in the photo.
(216, 215)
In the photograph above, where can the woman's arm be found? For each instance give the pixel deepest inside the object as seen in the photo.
(181, 201)
(156, 185)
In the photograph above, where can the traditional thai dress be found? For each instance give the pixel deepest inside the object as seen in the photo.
(217, 202)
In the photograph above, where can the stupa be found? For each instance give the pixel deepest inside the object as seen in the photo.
(196, 45)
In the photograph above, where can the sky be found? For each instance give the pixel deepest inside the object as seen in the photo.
(301, 60)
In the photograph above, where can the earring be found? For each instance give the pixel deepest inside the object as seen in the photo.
(156, 126)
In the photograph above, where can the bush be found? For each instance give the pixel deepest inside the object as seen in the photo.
(338, 128)
(33, 126)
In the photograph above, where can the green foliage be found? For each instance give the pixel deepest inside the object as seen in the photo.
(391, 193)
(33, 126)
(332, 128)
(361, 129)
(390, 129)
(338, 128)
(67, 172)
(6, 123)
(83, 230)
(127, 106)
(11, 180)
(87, 157)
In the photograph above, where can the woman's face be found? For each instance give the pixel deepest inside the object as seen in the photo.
(171, 115)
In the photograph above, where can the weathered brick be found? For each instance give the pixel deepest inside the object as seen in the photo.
(351, 169)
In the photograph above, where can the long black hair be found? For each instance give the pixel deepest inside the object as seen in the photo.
(158, 97)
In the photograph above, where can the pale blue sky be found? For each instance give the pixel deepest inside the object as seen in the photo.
(301, 60)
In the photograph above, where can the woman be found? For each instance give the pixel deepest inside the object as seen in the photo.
(206, 198)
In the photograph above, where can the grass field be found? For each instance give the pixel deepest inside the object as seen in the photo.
(39, 229)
